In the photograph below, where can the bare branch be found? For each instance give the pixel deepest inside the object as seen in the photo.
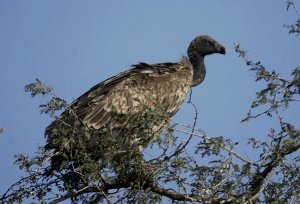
(231, 151)
(260, 178)
(91, 189)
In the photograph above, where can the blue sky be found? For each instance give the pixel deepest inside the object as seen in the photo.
(73, 45)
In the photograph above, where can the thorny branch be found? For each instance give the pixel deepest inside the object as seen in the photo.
(229, 150)
(181, 147)
(149, 186)
(260, 179)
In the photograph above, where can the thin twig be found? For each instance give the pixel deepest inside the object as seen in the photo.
(181, 147)
(222, 146)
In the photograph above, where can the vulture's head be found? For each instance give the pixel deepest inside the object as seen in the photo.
(204, 45)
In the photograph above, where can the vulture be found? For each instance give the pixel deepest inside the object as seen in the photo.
(130, 109)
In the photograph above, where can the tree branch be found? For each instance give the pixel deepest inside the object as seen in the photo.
(91, 189)
(229, 150)
(175, 196)
(260, 178)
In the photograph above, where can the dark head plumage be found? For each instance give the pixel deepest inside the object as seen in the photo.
(204, 45)
(200, 47)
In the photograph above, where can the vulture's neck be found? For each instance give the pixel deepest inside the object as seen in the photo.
(199, 69)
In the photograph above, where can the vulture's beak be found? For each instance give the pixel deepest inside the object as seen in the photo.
(220, 49)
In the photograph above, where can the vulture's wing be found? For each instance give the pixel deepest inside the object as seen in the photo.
(129, 92)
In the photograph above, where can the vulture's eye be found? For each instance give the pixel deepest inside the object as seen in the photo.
(206, 42)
